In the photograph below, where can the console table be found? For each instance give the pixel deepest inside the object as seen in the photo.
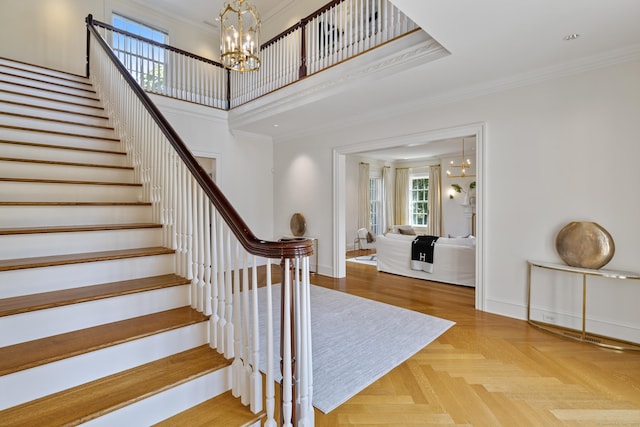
(581, 335)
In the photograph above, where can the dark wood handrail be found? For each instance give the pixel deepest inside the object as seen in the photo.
(302, 23)
(252, 244)
(155, 43)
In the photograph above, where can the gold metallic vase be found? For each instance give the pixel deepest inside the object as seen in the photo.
(585, 245)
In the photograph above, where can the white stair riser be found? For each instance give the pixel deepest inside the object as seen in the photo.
(18, 151)
(53, 74)
(61, 85)
(87, 101)
(59, 320)
(161, 406)
(52, 126)
(13, 191)
(21, 135)
(29, 110)
(40, 381)
(34, 216)
(51, 103)
(13, 169)
(46, 279)
(16, 246)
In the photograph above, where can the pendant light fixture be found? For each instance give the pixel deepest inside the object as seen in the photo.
(464, 165)
(240, 36)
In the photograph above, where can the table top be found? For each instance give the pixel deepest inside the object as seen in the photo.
(602, 272)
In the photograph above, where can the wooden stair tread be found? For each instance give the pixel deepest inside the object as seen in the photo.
(56, 110)
(55, 132)
(46, 98)
(49, 162)
(59, 92)
(62, 147)
(222, 410)
(75, 203)
(88, 401)
(48, 261)
(60, 121)
(88, 88)
(41, 301)
(46, 71)
(65, 181)
(26, 355)
(76, 228)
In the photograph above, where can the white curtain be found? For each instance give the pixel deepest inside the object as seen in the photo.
(402, 196)
(434, 202)
(387, 199)
(364, 219)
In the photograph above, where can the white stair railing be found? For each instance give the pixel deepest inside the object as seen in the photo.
(215, 249)
(338, 31)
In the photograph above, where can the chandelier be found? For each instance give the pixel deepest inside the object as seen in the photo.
(464, 165)
(240, 36)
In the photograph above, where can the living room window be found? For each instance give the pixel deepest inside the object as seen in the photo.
(145, 62)
(419, 209)
(375, 204)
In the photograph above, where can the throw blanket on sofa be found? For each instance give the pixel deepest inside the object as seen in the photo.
(422, 253)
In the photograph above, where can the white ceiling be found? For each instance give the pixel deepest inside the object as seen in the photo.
(494, 45)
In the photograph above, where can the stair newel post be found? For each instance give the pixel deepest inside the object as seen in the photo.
(303, 49)
(287, 347)
(270, 399)
(89, 21)
(256, 379)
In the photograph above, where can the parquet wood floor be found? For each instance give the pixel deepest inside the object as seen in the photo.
(487, 370)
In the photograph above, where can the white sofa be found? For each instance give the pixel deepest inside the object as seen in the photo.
(454, 259)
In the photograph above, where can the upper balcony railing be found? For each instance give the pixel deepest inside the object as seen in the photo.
(338, 31)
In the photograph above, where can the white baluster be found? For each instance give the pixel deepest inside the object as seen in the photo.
(237, 367)
(256, 379)
(269, 379)
(222, 321)
(246, 314)
(285, 334)
(214, 340)
(208, 261)
(305, 358)
(228, 313)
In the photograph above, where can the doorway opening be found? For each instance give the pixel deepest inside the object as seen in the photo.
(340, 182)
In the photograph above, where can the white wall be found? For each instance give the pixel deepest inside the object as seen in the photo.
(456, 216)
(561, 150)
(243, 161)
(52, 33)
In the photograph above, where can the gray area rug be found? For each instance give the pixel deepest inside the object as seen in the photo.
(365, 259)
(355, 341)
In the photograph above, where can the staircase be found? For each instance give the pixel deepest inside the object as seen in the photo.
(95, 326)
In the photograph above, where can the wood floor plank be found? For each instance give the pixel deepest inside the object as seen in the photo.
(487, 370)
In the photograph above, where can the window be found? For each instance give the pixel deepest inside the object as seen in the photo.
(418, 210)
(145, 61)
(375, 204)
